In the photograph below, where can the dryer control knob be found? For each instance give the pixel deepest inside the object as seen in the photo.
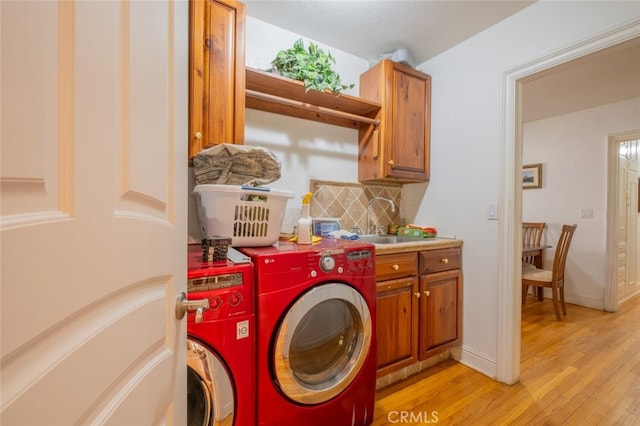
(327, 263)
(235, 299)
(215, 303)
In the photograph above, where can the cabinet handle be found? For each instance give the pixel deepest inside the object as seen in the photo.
(198, 135)
(427, 293)
(391, 163)
(445, 261)
(395, 267)
(376, 143)
(417, 294)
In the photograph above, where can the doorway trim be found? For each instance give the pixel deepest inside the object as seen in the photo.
(613, 194)
(510, 196)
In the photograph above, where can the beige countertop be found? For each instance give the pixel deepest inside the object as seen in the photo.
(423, 244)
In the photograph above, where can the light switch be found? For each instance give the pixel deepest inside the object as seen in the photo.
(492, 211)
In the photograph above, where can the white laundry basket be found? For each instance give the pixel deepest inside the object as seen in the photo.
(250, 216)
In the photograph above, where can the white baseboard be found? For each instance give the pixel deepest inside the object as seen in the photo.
(480, 362)
(587, 302)
(576, 299)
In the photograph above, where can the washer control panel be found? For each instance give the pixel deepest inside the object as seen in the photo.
(341, 261)
(229, 290)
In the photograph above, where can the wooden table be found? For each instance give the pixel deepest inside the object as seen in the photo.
(536, 252)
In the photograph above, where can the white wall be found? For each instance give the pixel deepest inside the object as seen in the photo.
(307, 149)
(467, 133)
(573, 151)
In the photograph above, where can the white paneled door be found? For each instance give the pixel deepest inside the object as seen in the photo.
(93, 212)
(627, 280)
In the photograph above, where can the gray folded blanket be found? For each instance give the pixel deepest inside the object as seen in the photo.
(236, 165)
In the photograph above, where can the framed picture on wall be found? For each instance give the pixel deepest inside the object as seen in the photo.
(532, 176)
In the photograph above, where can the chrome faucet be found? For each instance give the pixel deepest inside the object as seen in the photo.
(393, 209)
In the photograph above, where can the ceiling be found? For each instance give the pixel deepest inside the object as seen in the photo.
(603, 77)
(369, 28)
(426, 28)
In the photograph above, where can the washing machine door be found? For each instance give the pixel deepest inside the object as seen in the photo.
(210, 397)
(322, 343)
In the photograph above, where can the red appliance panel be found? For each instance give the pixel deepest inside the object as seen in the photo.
(284, 272)
(228, 327)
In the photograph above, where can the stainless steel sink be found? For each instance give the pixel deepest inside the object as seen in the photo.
(391, 239)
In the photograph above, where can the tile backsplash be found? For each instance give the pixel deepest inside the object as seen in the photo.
(348, 202)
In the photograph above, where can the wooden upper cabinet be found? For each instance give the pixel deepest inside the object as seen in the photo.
(398, 150)
(217, 73)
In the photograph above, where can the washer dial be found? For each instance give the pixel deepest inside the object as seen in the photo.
(327, 263)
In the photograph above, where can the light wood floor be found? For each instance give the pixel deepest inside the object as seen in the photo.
(584, 370)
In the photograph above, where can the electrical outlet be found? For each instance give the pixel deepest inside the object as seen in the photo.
(586, 213)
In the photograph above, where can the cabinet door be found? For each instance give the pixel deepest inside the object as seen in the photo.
(440, 311)
(407, 144)
(217, 73)
(397, 324)
(400, 149)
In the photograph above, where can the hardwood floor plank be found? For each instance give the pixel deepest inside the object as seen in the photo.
(584, 370)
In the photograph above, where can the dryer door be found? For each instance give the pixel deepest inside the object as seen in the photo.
(322, 343)
(210, 400)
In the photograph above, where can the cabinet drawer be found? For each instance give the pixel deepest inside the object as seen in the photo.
(396, 265)
(440, 260)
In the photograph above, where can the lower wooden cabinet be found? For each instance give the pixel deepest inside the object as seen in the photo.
(440, 312)
(441, 302)
(419, 306)
(397, 321)
(397, 311)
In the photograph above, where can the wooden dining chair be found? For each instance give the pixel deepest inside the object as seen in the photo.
(554, 278)
(531, 236)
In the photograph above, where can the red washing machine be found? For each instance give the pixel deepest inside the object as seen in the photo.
(316, 315)
(220, 343)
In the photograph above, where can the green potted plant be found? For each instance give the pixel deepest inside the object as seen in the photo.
(312, 66)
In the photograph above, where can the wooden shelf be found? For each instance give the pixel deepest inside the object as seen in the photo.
(280, 95)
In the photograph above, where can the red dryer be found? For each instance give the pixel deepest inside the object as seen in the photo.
(316, 317)
(220, 343)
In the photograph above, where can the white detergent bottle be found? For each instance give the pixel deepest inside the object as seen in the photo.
(305, 222)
